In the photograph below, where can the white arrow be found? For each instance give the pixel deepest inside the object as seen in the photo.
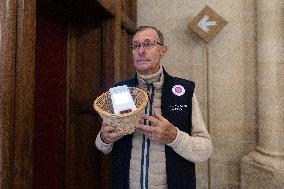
(204, 23)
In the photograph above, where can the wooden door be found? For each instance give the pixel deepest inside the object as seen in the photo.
(49, 105)
(73, 66)
(77, 47)
(39, 112)
(87, 81)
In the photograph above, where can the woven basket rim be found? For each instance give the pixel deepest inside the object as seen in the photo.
(105, 113)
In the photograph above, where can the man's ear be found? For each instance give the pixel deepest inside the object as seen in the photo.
(164, 50)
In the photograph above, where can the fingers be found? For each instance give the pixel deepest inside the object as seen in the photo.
(110, 134)
(156, 120)
(146, 131)
(108, 128)
(145, 128)
(160, 117)
(161, 130)
(111, 137)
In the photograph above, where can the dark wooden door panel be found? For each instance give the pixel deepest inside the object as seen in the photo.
(75, 56)
(83, 169)
(49, 105)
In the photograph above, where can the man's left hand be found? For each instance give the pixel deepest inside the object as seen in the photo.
(161, 130)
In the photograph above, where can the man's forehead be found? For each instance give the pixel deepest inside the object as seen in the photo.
(146, 34)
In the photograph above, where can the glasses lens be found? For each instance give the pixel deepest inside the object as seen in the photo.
(136, 46)
(147, 44)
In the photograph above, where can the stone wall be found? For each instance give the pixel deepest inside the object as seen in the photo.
(225, 74)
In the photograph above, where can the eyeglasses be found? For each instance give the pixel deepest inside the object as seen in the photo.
(147, 44)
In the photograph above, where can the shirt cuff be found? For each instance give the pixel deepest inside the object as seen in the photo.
(177, 140)
(104, 147)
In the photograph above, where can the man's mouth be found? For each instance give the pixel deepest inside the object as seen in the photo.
(143, 60)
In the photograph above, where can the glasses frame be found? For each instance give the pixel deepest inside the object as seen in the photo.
(153, 43)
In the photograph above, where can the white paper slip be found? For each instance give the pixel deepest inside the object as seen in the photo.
(122, 100)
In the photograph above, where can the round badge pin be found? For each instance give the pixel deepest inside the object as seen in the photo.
(178, 90)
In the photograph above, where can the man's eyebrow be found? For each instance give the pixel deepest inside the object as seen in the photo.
(147, 40)
(142, 41)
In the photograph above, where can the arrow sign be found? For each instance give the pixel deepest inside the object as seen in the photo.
(207, 23)
(204, 23)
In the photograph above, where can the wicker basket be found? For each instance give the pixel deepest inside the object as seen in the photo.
(126, 121)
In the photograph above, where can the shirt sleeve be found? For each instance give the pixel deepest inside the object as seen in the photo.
(103, 147)
(196, 147)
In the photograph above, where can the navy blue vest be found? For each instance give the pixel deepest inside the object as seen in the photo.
(180, 172)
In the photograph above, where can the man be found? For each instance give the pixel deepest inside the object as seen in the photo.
(162, 151)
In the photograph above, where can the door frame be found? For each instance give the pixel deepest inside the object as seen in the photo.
(18, 29)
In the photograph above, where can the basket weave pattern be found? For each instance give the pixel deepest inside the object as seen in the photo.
(126, 121)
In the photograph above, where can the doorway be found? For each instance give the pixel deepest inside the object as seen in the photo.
(74, 65)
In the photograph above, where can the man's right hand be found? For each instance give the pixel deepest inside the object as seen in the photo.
(109, 134)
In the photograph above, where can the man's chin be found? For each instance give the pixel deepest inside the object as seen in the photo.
(142, 68)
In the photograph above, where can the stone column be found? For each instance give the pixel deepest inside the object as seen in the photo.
(264, 167)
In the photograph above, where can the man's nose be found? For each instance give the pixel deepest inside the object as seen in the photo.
(141, 50)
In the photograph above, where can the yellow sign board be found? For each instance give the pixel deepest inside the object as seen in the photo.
(207, 24)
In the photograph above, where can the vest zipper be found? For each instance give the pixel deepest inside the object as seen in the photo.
(146, 142)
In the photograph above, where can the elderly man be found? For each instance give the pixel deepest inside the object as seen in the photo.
(162, 151)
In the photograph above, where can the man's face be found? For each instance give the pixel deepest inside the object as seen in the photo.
(147, 59)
